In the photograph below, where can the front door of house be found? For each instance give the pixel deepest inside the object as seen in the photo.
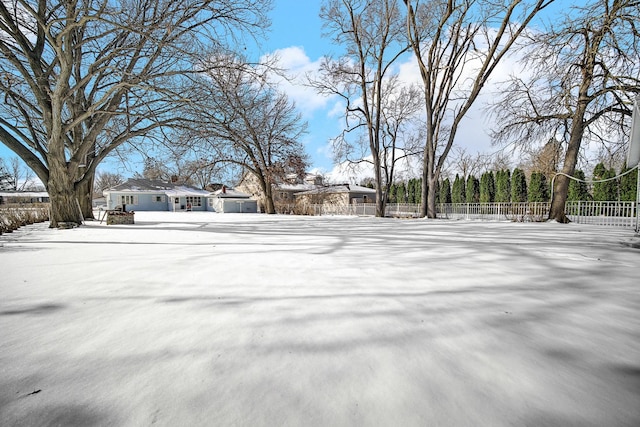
(176, 203)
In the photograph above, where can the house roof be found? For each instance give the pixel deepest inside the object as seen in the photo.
(24, 194)
(296, 187)
(143, 185)
(344, 188)
(229, 193)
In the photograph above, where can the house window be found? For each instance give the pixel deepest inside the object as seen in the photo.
(129, 200)
(159, 199)
(284, 195)
(210, 202)
(194, 201)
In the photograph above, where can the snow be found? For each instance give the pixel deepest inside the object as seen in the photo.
(197, 318)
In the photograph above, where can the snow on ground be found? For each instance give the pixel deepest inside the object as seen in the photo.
(187, 319)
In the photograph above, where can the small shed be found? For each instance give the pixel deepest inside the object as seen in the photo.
(228, 200)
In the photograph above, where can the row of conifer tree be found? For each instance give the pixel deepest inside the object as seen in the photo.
(505, 186)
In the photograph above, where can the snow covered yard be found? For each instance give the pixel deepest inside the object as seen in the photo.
(188, 319)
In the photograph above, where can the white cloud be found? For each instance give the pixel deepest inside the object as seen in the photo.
(326, 114)
(354, 173)
(298, 66)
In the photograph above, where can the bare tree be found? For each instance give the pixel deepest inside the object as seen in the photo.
(467, 164)
(18, 175)
(545, 159)
(584, 74)
(401, 136)
(458, 44)
(7, 182)
(81, 78)
(372, 35)
(248, 123)
(202, 172)
(106, 180)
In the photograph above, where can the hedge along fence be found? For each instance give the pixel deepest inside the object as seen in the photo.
(616, 213)
(521, 212)
(14, 217)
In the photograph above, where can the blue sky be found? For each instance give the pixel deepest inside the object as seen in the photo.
(297, 23)
(296, 36)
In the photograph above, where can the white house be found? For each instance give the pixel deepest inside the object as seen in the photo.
(139, 194)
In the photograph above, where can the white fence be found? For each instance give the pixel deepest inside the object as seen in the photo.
(495, 211)
(620, 214)
(365, 209)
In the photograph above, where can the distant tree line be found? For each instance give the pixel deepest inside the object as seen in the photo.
(506, 186)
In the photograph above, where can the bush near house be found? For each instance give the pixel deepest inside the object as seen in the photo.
(12, 218)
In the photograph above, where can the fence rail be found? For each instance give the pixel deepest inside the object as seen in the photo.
(620, 214)
(535, 211)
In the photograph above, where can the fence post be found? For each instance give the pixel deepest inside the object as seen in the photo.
(637, 204)
(579, 211)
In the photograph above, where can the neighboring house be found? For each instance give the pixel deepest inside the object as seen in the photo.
(228, 200)
(7, 197)
(283, 192)
(139, 194)
(335, 195)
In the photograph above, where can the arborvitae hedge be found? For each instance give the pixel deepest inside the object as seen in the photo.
(458, 190)
(391, 195)
(445, 191)
(414, 190)
(503, 186)
(538, 190)
(487, 188)
(629, 185)
(578, 191)
(604, 191)
(473, 190)
(518, 186)
(401, 193)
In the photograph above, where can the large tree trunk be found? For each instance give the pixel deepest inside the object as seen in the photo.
(431, 197)
(64, 204)
(561, 186)
(381, 204)
(269, 205)
(428, 196)
(84, 193)
(381, 201)
(424, 193)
